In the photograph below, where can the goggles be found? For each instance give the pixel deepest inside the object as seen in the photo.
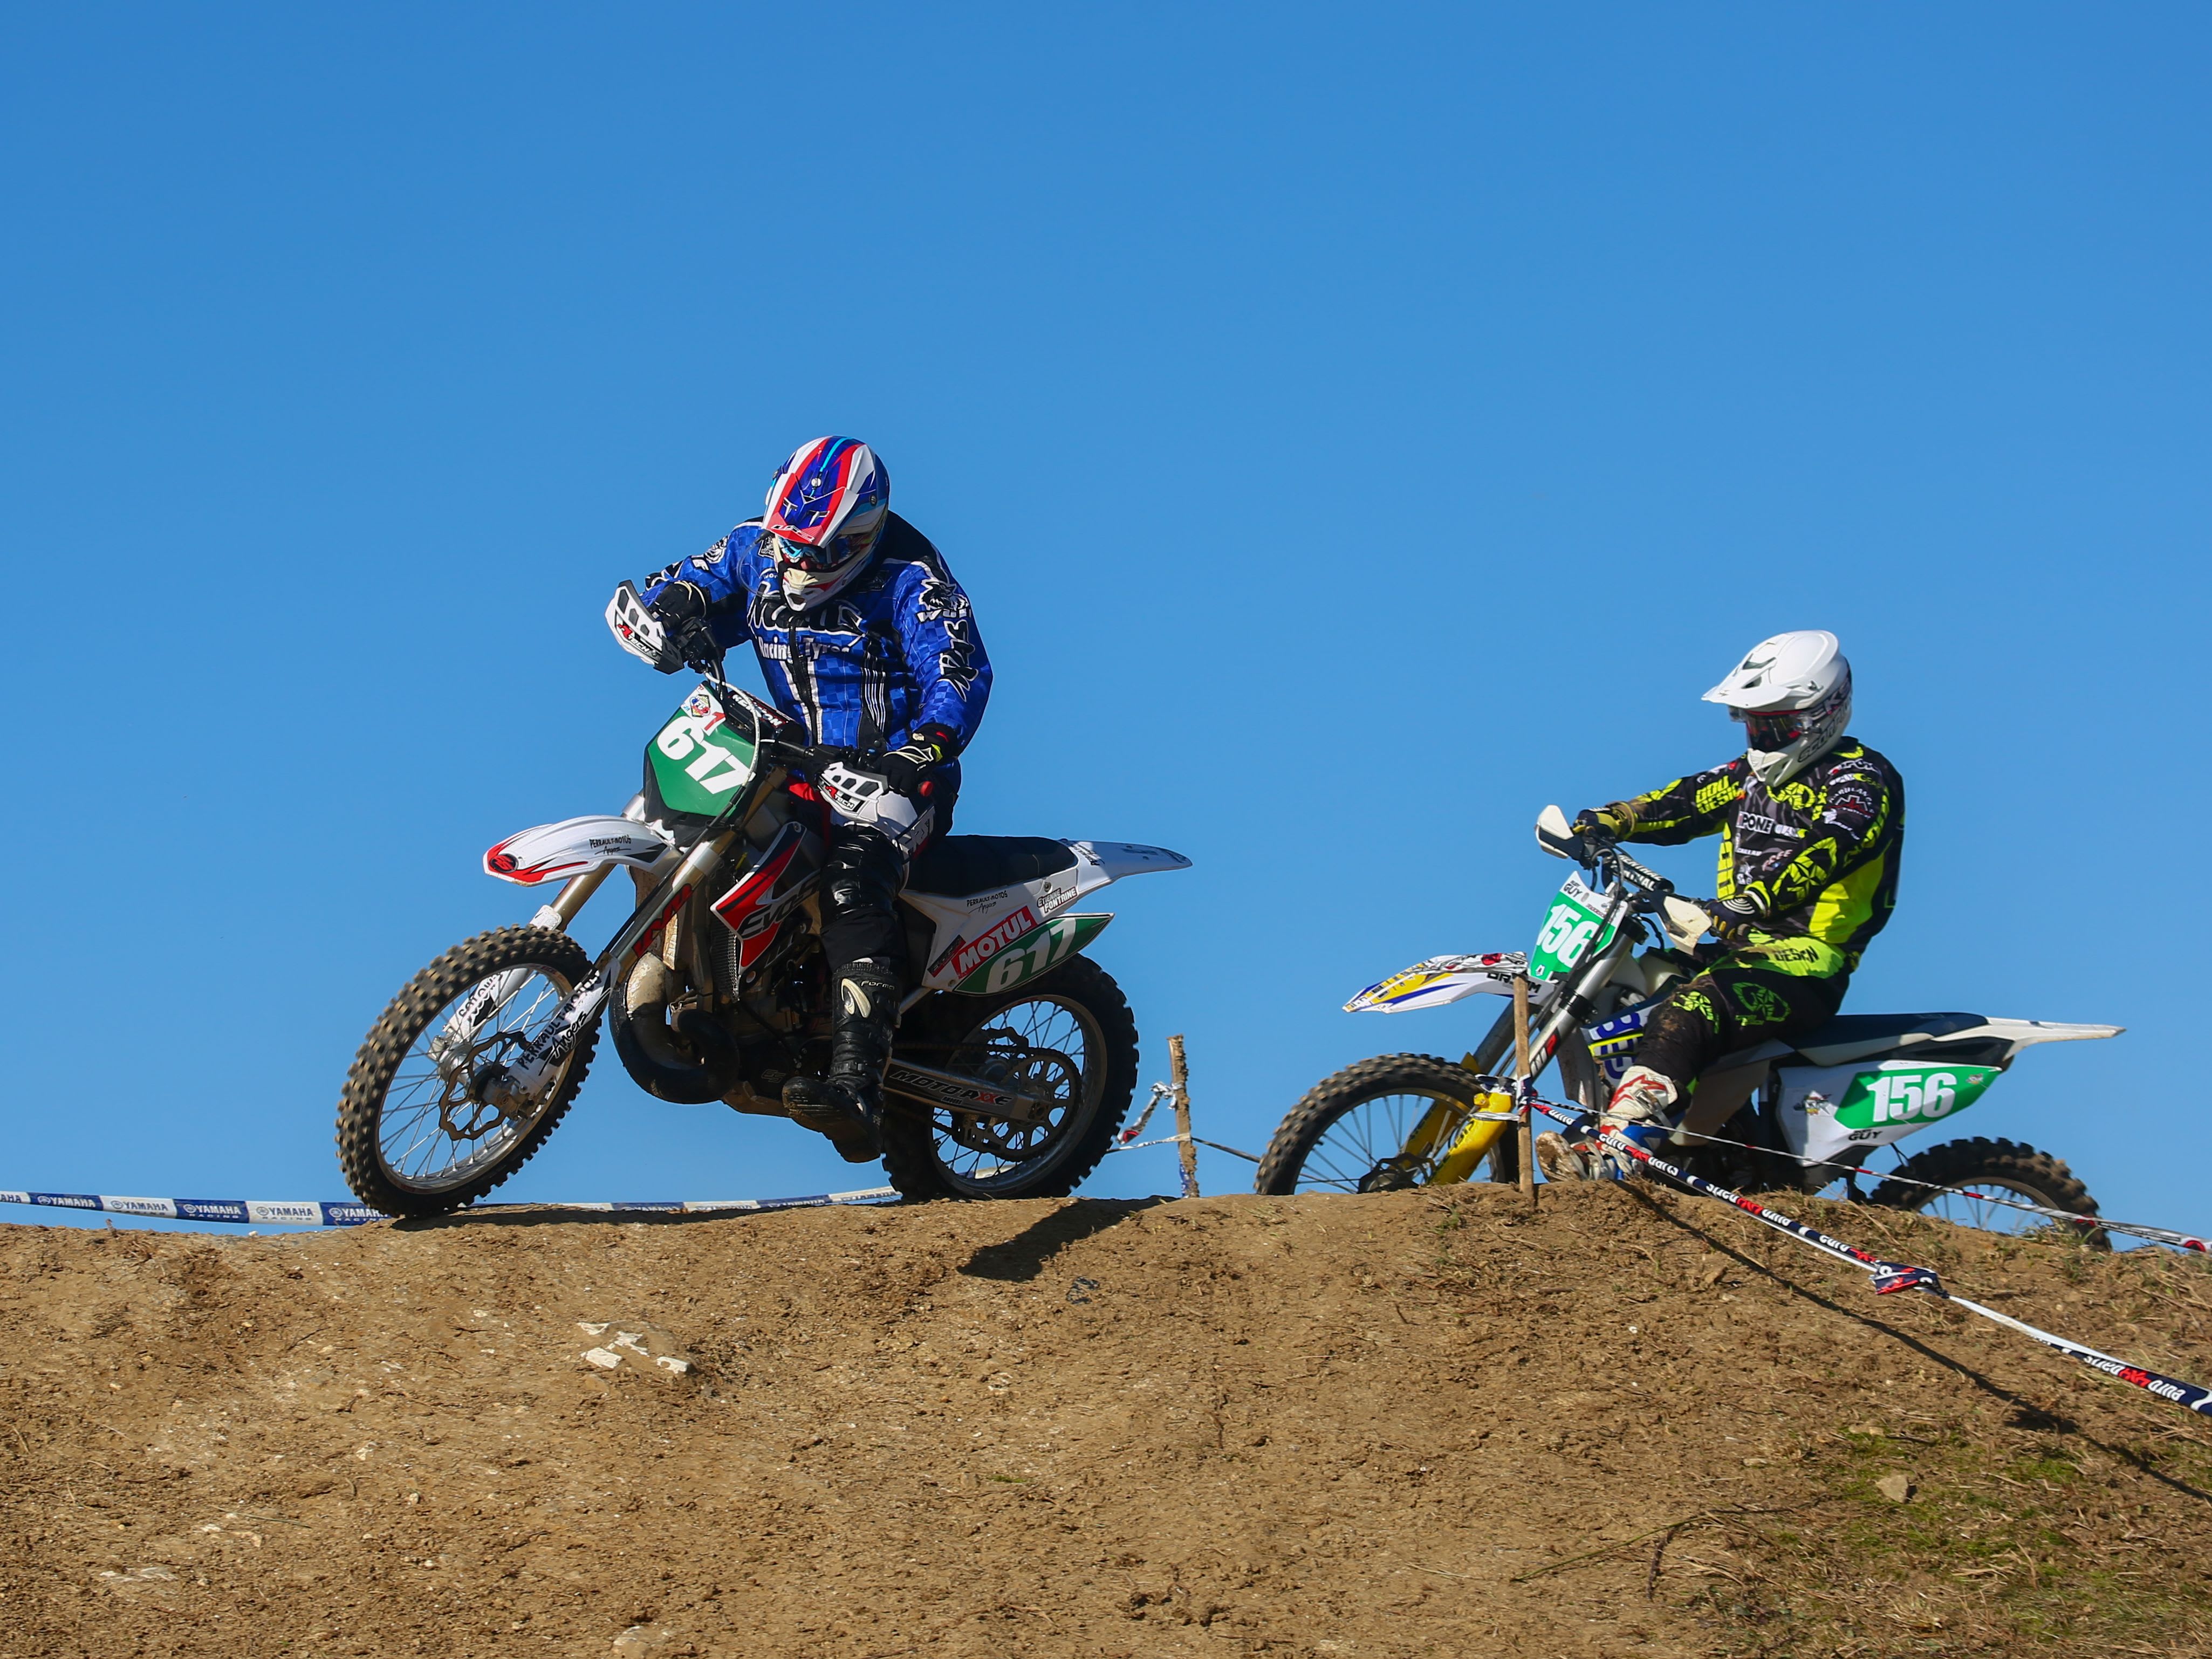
(815, 560)
(1772, 729)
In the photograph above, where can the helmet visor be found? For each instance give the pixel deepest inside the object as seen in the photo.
(1769, 730)
(834, 555)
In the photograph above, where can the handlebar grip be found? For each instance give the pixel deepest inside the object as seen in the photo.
(1587, 850)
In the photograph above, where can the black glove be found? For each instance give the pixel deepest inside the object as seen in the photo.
(1599, 827)
(681, 610)
(905, 767)
(1732, 918)
(679, 602)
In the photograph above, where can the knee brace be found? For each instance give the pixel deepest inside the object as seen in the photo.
(860, 880)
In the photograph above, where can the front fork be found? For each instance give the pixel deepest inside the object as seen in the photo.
(571, 897)
(1569, 1010)
(517, 1084)
(455, 1042)
(1475, 1141)
(489, 996)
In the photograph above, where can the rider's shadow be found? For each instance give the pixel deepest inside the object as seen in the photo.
(1022, 1258)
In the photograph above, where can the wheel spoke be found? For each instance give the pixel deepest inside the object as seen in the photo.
(1043, 1044)
(1371, 1132)
(424, 1105)
(1965, 1210)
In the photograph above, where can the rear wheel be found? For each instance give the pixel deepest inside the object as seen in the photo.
(1068, 1035)
(1349, 1134)
(415, 1137)
(2001, 1169)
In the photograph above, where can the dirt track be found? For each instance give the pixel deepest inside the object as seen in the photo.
(1334, 1426)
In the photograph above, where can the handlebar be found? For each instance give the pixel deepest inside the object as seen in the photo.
(1651, 887)
(1654, 892)
(1648, 892)
(809, 758)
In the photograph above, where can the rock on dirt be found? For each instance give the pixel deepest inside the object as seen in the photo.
(1422, 1423)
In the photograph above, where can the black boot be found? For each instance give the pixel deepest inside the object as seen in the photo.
(848, 1105)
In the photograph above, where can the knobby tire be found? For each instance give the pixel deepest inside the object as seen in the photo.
(1329, 1100)
(909, 1137)
(425, 997)
(2012, 1162)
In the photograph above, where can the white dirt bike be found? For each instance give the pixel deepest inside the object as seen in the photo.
(1015, 1055)
(1780, 1116)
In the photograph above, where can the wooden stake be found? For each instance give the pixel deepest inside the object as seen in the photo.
(1186, 1148)
(1521, 1071)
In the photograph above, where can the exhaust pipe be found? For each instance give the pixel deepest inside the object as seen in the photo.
(645, 1040)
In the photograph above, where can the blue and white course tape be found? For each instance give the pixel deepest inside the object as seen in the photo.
(318, 1212)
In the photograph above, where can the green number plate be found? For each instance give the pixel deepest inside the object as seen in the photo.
(1898, 1096)
(1033, 954)
(697, 759)
(1581, 921)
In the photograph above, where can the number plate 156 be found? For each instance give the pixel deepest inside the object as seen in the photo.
(1577, 924)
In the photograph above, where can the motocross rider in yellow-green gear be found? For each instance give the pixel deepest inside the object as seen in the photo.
(1812, 824)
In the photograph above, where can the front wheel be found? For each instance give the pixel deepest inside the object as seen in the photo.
(1356, 1132)
(1068, 1035)
(415, 1137)
(2000, 1169)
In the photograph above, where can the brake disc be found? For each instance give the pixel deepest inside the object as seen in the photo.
(1392, 1174)
(459, 1067)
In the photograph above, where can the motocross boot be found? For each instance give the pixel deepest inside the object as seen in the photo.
(1560, 1159)
(1640, 1109)
(848, 1104)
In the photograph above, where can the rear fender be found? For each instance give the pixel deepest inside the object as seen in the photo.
(1098, 862)
(2026, 1033)
(970, 934)
(555, 852)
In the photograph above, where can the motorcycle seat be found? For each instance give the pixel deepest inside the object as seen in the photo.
(1865, 1028)
(954, 867)
(1848, 1038)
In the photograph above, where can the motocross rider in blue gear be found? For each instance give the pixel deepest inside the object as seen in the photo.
(865, 638)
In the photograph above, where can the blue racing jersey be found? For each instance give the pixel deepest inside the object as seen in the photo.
(895, 650)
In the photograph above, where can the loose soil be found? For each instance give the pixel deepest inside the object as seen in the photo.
(1632, 1424)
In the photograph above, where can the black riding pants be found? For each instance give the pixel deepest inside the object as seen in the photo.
(860, 880)
(1776, 986)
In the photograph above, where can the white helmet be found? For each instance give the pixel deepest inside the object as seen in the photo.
(1793, 694)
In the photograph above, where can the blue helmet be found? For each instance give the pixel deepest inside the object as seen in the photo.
(827, 507)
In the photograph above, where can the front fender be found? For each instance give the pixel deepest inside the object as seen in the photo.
(555, 852)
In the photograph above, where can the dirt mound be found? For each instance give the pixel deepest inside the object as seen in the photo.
(1399, 1425)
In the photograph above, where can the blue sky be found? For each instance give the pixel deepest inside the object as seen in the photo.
(1356, 427)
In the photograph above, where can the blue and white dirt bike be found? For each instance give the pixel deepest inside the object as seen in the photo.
(1015, 1057)
(1780, 1116)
